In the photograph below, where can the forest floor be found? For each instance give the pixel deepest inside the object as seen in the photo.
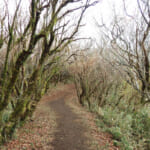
(60, 123)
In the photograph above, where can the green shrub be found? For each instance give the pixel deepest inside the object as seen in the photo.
(116, 132)
(141, 128)
(129, 130)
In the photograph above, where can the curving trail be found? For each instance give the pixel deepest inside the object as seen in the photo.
(60, 123)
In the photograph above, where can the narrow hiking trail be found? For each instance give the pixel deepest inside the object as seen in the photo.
(60, 123)
(70, 132)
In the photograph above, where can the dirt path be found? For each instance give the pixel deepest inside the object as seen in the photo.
(70, 130)
(60, 123)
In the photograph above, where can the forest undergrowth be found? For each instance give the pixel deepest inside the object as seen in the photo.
(115, 102)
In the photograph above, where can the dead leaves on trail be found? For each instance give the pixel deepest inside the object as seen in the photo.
(36, 134)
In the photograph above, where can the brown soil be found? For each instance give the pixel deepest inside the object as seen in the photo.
(70, 131)
(60, 123)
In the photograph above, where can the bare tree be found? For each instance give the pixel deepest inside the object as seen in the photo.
(128, 38)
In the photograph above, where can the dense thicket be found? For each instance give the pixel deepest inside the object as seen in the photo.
(118, 106)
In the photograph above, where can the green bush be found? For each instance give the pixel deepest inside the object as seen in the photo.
(129, 130)
(130, 127)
